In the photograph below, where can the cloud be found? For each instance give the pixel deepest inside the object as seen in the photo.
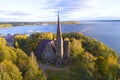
(70, 5)
(17, 13)
(70, 9)
(46, 10)
(6, 15)
(13, 13)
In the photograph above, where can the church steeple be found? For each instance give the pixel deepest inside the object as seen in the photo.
(59, 42)
(59, 32)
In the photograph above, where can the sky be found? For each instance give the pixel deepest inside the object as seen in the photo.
(70, 10)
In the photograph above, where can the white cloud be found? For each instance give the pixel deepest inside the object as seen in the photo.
(46, 10)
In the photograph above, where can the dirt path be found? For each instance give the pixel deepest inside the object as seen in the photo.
(44, 67)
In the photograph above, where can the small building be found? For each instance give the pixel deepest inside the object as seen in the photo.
(54, 51)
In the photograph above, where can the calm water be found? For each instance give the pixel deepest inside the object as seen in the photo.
(107, 32)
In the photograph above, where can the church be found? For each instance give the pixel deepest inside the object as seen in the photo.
(54, 51)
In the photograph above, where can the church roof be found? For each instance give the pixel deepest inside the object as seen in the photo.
(42, 44)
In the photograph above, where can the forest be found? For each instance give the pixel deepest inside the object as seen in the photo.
(90, 59)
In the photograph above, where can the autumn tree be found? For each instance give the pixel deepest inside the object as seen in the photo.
(16, 65)
(76, 47)
(9, 71)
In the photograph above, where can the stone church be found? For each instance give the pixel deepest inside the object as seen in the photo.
(54, 51)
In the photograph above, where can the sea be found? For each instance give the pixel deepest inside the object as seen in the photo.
(106, 32)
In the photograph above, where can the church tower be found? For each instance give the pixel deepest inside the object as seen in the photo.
(59, 43)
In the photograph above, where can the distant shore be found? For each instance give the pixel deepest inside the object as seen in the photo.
(5, 25)
(12, 24)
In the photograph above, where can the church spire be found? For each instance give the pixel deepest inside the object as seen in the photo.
(59, 42)
(59, 32)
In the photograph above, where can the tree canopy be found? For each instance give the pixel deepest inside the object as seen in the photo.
(16, 65)
(90, 58)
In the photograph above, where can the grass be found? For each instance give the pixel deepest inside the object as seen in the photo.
(57, 75)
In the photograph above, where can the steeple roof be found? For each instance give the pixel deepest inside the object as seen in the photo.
(59, 32)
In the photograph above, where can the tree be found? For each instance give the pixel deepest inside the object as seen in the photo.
(9, 71)
(76, 47)
(83, 67)
(6, 53)
(33, 59)
(2, 42)
(16, 65)
(32, 72)
(28, 66)
(16, 44)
